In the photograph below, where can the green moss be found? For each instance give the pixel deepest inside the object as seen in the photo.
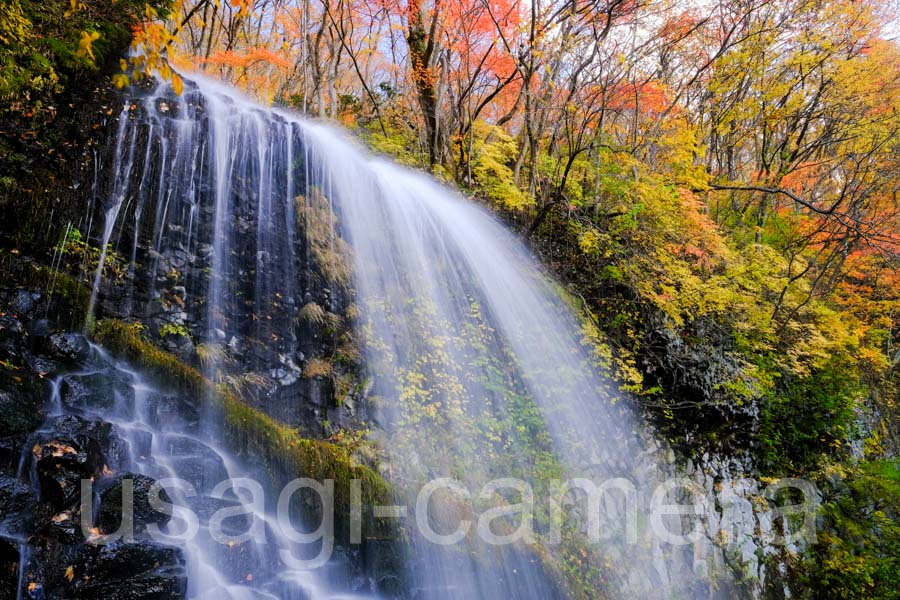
(125, 339)
(298, 456)
(67, 293)
(287, 454)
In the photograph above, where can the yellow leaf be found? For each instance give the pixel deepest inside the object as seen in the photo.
(84, 46)
(177, 84)
(70, 573)
(120, 80)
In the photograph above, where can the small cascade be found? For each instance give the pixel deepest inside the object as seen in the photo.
(223, 519)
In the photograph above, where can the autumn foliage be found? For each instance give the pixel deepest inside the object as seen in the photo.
(728, 162)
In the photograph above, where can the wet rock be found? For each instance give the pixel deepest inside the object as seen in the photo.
(204, 507)
(384, 561)
(22, 399)
(139, 570)
(195, 462)
(10, 451)
(42, 366)
(168, 412)
(69, 348)
(62, 527)
(73, 449)
(12, 335)
(16, 499)
(94, 391)
(321, 391)
(39, 328)
(60, 470)
(140, 444)
(24, 302)
(178, 259)
(111, 491)
(9, 569)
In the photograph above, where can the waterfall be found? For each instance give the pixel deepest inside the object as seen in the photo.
(477, 368)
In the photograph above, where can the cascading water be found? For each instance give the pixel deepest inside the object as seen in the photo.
(478, 368)
(161, 435)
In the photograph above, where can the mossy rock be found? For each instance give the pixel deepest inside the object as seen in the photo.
(287, 454)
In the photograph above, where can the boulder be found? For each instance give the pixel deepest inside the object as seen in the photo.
(23, 302)
(9, 569)
(204, 507)
(195, 462)
(110, 492)
(72, 449)
(169, 412)
(16, 501)
(136, 570)
(97, 391)
(22, 400)
(69, 348)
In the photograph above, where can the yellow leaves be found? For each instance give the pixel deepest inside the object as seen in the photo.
(85, 44)
(70, 573)
(120, 80)
(493, 153)
(15, 28)
(57, 449)
(589, 242)
(74, 6)
(177, 83)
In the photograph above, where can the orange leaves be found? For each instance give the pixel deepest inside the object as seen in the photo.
(248, 58)
(705, 243)
(647, 97)
(679, 26)
(177, 84)
(245, 7)
(254, 68)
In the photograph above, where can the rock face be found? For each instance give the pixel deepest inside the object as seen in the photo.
(71, 450)
(697, 366)
(139, 570)
(69, 348)
(111, 491)
(9, 569)
(81, 416)
(739, 530)
(43, 460)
